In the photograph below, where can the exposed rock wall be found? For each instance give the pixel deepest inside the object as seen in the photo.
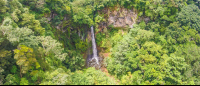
(120, 17)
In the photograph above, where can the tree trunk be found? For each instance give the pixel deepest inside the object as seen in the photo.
(20, 72)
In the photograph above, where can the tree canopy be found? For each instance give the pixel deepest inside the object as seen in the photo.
(47, 42)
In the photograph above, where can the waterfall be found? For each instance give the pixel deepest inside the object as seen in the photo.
(94, 46)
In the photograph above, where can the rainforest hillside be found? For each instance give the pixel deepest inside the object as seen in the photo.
(138, 42)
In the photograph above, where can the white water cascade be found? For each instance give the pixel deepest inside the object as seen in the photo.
(94, 47)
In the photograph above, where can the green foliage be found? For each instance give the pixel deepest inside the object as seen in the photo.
(3, 9)
(132, 79)
(74, 61)
(28, 20)
(23, 18)
(14, 35)
(50, 45)
(190, 52)
(24, 81)
(83, 10)
(36, 5)
(82, 46)
(99, 38)
(11, 80)
(46, 10)
(176, 34)
(91, 77)
(5, 56)
(57, 77)
(14, 69)
(142, 25)
(174, 68)
(141, 35)
(1, 76)
(56, 6)
(189, 16)
(120, 52)
(56, 21)
(37, 76)
(15, 4)
(137, 51)
(25, 58)
(154, 27)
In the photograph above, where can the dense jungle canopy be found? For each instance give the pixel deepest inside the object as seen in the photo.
(140, 42)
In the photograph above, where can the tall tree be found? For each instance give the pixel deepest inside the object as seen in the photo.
(25, 59)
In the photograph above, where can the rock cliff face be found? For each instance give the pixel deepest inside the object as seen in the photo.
(121, 17)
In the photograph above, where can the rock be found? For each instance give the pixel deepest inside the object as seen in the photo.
(122, 18)
(111, 20)
(91, 62)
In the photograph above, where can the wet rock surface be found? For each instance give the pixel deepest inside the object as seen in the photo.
(91, 62)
